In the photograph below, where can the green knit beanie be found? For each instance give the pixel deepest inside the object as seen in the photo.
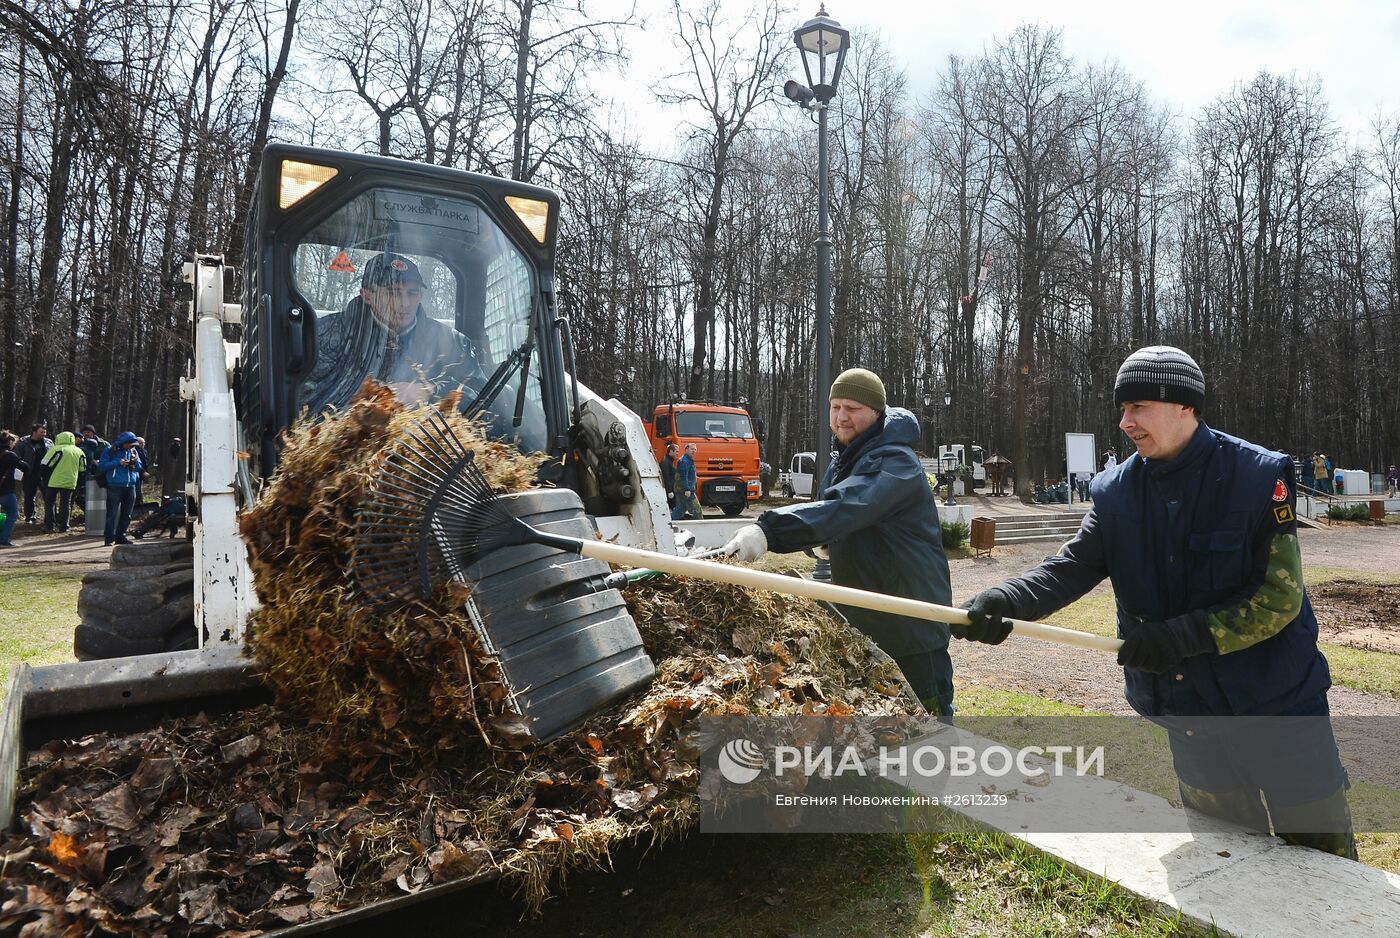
(858, 384)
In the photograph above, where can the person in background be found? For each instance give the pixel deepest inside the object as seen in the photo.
(121, 465)
(32, 449)
(66, 466)
(668, 475)
(10, 463)
(687, 498)
(173, 483)
(1321, 481)
(1339, 481)
(139, 509)
(92, 446)
(1392, 481)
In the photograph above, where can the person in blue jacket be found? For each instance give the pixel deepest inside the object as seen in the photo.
(1197, 533)
(875, 513)
(121, 464)
(687, 505)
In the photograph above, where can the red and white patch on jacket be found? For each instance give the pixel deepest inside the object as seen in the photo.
(1280, 491)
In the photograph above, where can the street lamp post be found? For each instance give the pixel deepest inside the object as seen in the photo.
(930, 421)
(952, 476)
(823, 45)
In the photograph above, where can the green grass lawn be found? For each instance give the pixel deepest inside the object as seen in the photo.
(825, 886)
(39, 606)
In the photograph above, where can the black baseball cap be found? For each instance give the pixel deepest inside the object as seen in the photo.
(387, 270)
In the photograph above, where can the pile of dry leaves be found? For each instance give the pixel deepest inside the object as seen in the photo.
(244, 822)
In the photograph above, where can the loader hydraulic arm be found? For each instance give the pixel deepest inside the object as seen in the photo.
(223, 581)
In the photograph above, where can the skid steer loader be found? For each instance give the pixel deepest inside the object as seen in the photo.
(334, 241)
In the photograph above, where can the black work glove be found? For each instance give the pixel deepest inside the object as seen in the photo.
(986, 610)
(1158, 646)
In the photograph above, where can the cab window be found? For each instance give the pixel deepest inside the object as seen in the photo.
(713, 425)
(424, 294)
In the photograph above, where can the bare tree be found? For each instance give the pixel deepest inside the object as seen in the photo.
(729, 76)
(1032, 109)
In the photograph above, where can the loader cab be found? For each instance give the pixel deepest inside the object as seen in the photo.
(427, 279)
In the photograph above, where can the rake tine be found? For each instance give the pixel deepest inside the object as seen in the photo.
(423, 505)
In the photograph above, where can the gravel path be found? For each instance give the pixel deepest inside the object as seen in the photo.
(1092, 679)
(33, 547)
(1352, 547)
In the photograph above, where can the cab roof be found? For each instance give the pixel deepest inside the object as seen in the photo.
(701, 407)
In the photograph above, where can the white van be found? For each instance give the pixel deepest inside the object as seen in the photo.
(798, 479)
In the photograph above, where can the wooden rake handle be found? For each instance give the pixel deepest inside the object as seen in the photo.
(828, 592)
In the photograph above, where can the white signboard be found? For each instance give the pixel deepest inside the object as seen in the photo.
(1079, 453)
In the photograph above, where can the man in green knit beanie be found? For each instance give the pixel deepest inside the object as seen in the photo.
(875, 512)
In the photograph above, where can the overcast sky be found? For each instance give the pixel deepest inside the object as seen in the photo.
(1186, 52)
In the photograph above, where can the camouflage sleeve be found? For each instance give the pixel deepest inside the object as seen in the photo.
(1275, 594)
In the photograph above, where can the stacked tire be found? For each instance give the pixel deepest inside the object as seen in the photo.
(142, 604)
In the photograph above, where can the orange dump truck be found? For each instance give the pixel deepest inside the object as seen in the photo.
(727, 460)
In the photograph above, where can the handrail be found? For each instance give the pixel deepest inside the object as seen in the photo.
(1328, 500)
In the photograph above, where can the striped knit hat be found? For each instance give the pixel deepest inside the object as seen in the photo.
(1160, 373)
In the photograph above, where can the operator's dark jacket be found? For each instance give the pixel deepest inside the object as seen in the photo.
(353, 345)
(877, 515)
(1209, 536)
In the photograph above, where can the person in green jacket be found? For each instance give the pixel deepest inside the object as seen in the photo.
(66, 465)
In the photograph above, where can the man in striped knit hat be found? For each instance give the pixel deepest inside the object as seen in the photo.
(1197, 533)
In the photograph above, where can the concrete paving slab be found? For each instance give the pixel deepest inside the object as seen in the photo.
(1245, 883)
(1289, 891)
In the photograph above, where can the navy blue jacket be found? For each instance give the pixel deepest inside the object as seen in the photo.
(877, 515)
(1210, 536)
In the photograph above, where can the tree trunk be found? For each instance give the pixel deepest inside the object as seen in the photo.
(60, 171)
(9, 312)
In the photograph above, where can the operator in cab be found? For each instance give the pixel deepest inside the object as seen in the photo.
(388, 330)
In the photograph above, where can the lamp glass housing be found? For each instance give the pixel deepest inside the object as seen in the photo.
(823, 44)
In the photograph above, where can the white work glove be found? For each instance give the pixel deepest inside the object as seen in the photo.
(410, 393)
(748, 545)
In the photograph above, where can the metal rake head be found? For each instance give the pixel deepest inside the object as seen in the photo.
(412, 533)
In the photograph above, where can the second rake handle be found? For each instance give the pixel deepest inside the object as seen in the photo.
(829, 592)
